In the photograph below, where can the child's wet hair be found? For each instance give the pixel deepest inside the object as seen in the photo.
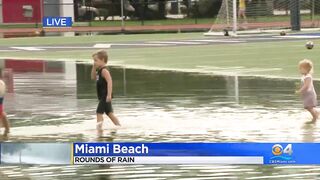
(306, 64)
(101, 54)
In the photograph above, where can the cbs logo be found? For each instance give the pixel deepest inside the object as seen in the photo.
(278, 150)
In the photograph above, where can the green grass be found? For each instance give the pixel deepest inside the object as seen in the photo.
(284, 55)
(94, 39)
(8, 26)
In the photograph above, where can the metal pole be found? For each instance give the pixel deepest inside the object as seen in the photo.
(295, 15)
(122, 15)
(234, 29)
(91, 16)
(312, 16)
(227, 8)
(41, 11)
(143, 12)
(197, 12)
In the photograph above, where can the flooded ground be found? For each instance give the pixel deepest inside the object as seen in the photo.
(56, 101)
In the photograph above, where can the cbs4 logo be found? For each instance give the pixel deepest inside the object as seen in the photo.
(278, 150)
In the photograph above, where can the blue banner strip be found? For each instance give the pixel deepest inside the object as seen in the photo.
(273, 153)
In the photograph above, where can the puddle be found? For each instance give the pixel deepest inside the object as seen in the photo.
(56, 102)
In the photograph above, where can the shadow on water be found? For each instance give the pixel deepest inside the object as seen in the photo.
(56, 101)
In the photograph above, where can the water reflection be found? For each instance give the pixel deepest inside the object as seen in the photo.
(193, 88)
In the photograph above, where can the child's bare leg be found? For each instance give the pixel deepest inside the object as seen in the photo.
(99, 121)
(239, 15)
(5, 123)
(314, 114)
(114, 119)
(99, 132)
(244, 19)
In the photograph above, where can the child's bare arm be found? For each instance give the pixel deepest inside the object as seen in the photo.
(107, 77)
(306, 84)
(93, 72)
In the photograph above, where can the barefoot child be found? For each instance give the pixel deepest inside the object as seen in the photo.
(307, 91)
(3, 115)
(103, 79)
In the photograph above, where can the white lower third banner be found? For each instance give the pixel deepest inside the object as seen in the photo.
(167, 160)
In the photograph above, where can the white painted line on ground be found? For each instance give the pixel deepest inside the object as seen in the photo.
(222, 41)
(142, 44)
(41, 48)
(236, 69)
(127, 44)
(28, 48)
(299, 37)
(102, 46)
(177, 42)
(259, 70)
(264, 38)
(64, 47)
(221, 68)
(9, 50)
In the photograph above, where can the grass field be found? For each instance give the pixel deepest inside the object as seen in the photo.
(94, 39)
(262, 58)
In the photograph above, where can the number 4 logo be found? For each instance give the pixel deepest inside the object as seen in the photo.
(288, 149)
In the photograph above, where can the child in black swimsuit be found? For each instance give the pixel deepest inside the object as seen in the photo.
(103, 79)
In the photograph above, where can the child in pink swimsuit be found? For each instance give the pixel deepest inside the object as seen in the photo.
(307, 91)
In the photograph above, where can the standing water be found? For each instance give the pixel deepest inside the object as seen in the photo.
(56, 102)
